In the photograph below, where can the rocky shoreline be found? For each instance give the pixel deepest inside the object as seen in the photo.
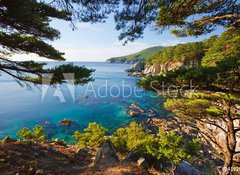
(140, 68)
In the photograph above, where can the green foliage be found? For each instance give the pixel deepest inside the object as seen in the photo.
(92, 136)
(189, 53)
(199, 106)
(37, 135)
(210, 114)
(220, 69)
(204, 77)
(26, 28)
(132, 138)
(171, 147)
(185, 17)
(227, 45)
(194, 18)
(192, 147)
(81, 73)
(28, 25)
(188, 107)
(165, 147)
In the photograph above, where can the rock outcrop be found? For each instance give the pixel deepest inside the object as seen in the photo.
(161, 68)
(7, 139)
(140, 68)
(143, 163)
(106, 154)
(65, 122)
(185, 168)
(135, 111)
(137, 67)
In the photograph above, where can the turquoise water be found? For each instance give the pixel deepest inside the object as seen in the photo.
(104, 101)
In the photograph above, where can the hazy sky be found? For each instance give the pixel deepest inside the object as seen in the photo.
(98, 42)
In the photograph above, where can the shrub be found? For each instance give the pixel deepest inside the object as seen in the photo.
(132, 138)
(166, 147)
(37, 135)
(172, 147)
(93, 136)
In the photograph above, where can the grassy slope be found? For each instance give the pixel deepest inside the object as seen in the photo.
(142, 55)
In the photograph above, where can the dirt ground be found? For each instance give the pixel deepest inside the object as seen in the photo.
(53, 159)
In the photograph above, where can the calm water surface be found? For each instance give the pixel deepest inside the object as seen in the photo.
(104, 101)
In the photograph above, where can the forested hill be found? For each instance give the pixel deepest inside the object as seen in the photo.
(133, 58)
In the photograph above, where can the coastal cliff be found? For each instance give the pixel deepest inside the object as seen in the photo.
(157, 68)
(174, 57)
(161, 68)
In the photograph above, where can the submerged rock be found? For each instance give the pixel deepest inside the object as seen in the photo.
(134, 113)
(65, 122)
(135, 110)
(151, 113)
(136, 107)
(106, 154)
(49, 127)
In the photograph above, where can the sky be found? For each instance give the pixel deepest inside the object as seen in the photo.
(98, 42)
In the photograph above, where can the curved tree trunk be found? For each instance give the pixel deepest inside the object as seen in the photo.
(227, 165)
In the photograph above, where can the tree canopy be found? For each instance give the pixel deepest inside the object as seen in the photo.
(215, 116)
(25, 28)
(25, 24)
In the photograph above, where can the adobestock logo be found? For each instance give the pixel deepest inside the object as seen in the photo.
(172, 90)
(58, 92)
(105, 90)
(66, 91)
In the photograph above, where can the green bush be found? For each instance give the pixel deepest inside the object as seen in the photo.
(132, 138)
(172, 147)
(93, 136)
(37, 135)
(166, 147)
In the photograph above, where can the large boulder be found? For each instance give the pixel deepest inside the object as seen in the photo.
(106, 155)
(185, 168)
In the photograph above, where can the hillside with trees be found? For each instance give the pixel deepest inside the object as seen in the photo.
(139, 56)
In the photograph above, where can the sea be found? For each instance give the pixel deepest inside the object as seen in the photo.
(105, 100)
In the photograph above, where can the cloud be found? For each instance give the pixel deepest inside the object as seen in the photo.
(89, 26)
